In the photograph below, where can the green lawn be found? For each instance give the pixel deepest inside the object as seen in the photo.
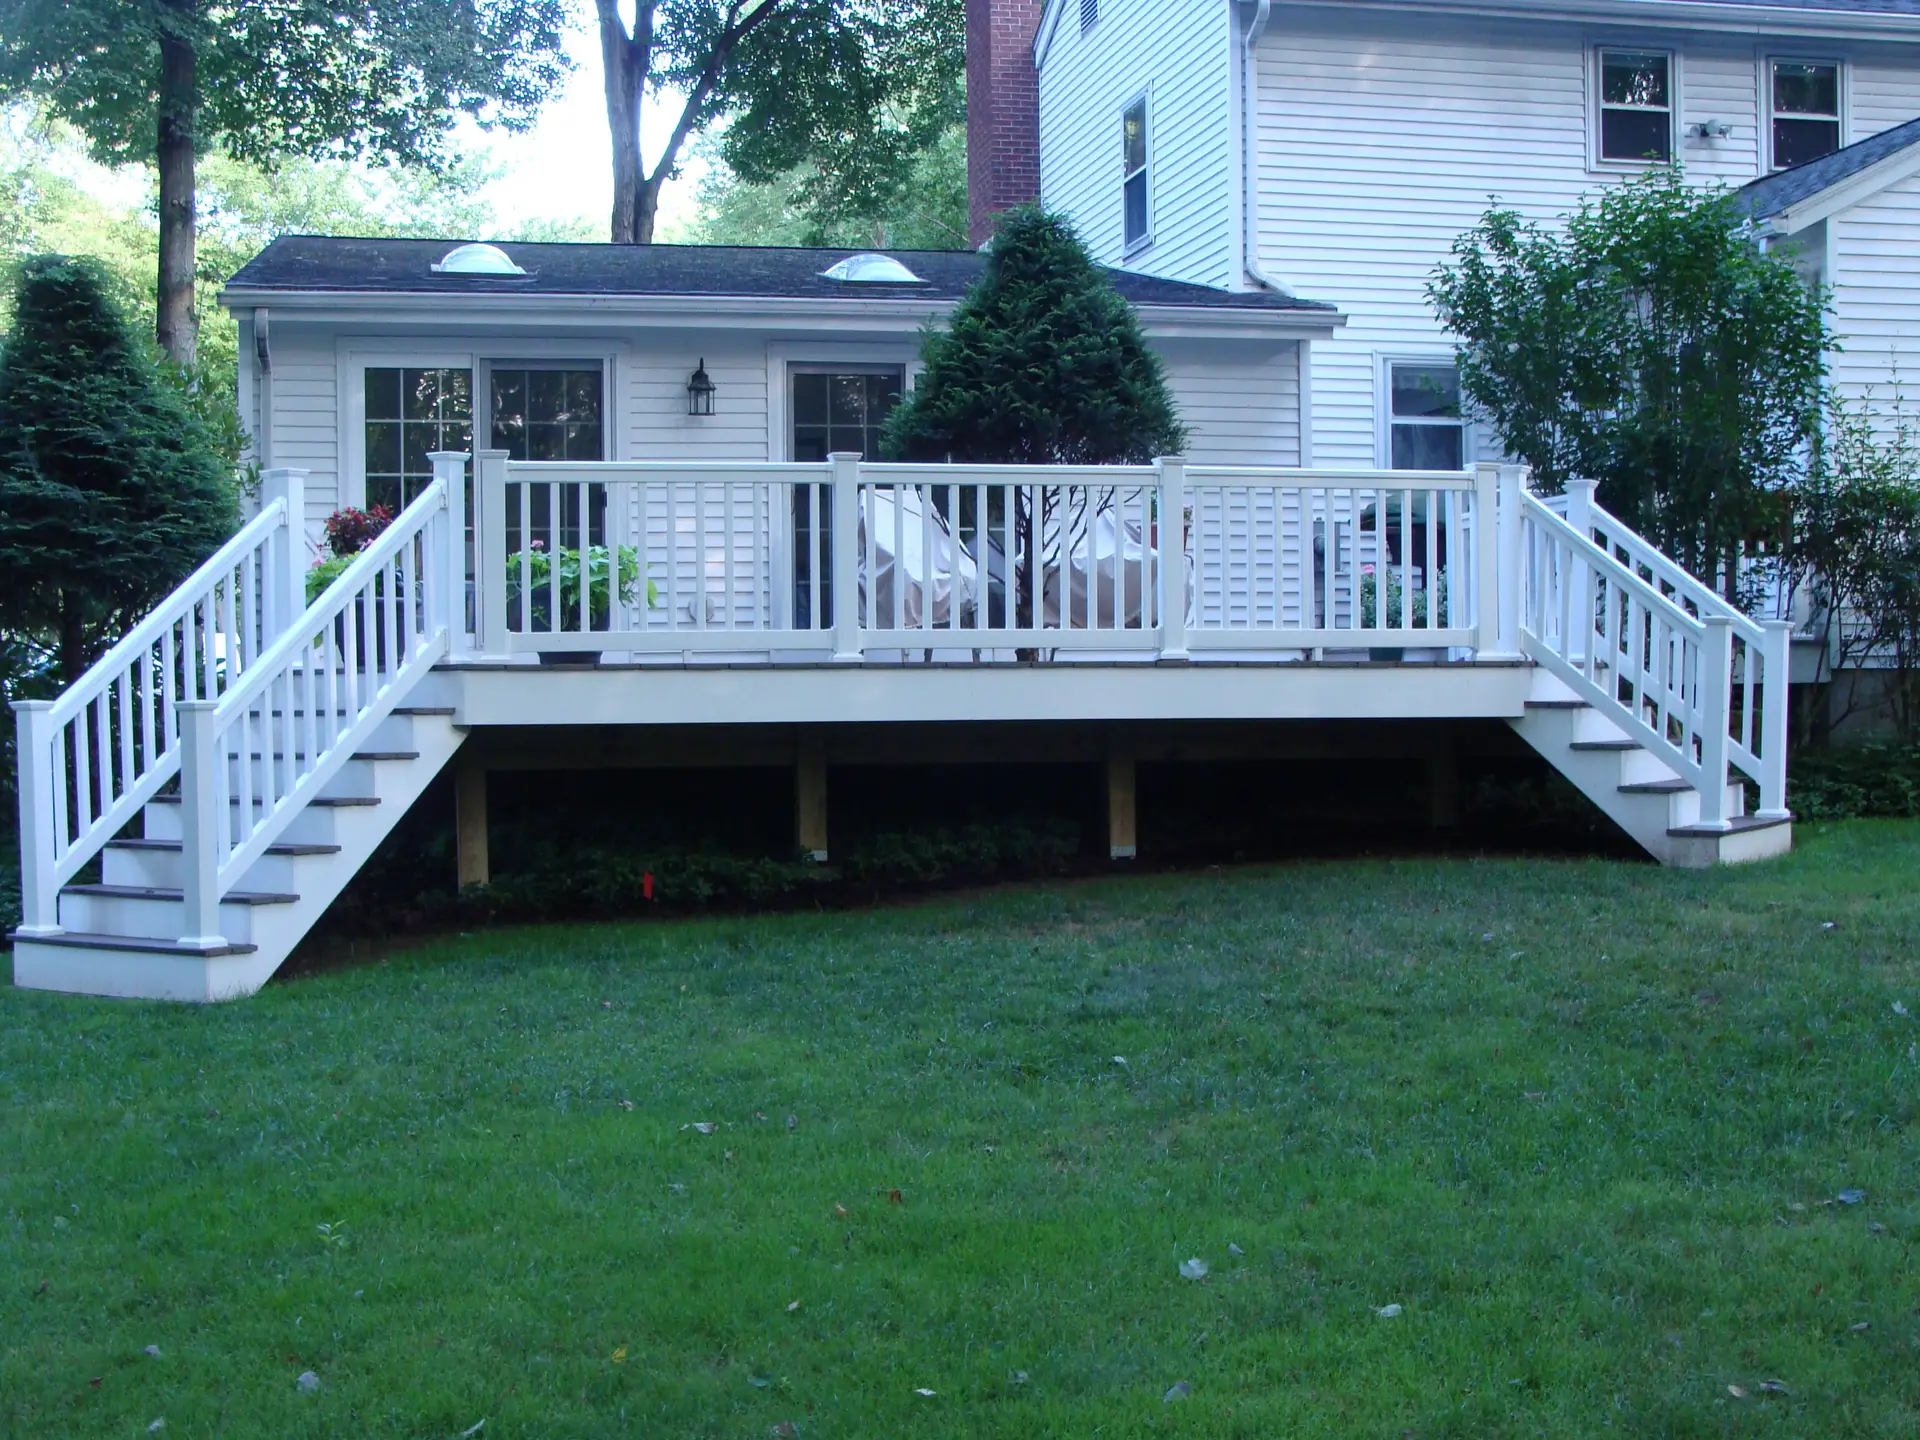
(1585, 1123)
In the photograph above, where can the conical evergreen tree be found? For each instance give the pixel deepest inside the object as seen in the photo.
(111, 489)
(1043, 363)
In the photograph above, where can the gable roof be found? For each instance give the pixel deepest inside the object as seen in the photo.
(315, 264)
(1775, 195)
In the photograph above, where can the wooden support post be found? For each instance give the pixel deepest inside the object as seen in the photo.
(810, 794)
(1123, 803)
(1443, 784)
(470, 823)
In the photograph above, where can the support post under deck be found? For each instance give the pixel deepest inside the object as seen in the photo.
(810, 794)
(1123, 803)
(470, 823)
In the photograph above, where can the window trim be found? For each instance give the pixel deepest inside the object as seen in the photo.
(1597, 160)
(1144, 101)
(1843, 98)
(1385, 420)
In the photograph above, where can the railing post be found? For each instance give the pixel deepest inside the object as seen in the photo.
(1486, 561)
(1173, 557)
(289, 549)
(1716, 718)
(1579, 575)
(39, 772)
(490, 550)
(1513, 486)
(450, 470)
(200, 822)
(1776, 680)
(846, 556)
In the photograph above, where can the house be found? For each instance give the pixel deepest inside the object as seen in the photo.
(1336, 569)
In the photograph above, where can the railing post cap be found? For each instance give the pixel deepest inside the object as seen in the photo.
(1786, 625)
(1581, 482)
(461, 455)
(1723, 620)
(839, 455)
(295, 470)
(30, 706)
(196, 705)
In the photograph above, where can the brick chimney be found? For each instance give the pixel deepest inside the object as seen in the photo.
(1003, 110)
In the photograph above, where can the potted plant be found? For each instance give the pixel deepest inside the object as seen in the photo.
(350, 531)
(1396, 614)
(532, 613)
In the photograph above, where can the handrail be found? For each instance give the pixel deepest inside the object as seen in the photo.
(167, 614)
(1613, 568)
(1703, 596)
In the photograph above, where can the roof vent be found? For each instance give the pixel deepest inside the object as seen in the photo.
(476, 260)
(870, 269)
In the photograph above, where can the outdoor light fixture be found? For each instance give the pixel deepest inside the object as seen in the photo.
(700, 391)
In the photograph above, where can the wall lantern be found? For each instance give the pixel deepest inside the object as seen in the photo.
(700, 391)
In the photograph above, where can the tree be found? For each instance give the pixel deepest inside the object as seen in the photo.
(925, 208)
(1042, 363)
(111, 489)
(852, 89)
(161, 81)
(1855, 547)
(1650, 344)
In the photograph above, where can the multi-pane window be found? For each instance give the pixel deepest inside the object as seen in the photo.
(1137, 222)
(1636, 105)
(548, 413)
(1424, 424)
(410, 414)
(1806, 111)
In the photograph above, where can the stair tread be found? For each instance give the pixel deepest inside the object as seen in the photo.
(357, 755)
(1558, 705)
(161, 892)
(1621, 744)
(91, 940)
(1737, 825)
(331, 801)
(282, 848)
(1656, 787)
(423, 710)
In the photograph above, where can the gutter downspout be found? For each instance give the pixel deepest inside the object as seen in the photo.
(1250, 152)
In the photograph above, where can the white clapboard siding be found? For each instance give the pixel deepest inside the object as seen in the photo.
(1384, 136)
(1874, 267)
(304, 391)
(1238, 410)
(1179, 54)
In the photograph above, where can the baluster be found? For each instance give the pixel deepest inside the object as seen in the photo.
(200, 820)
(1777, 656)
(38, 747)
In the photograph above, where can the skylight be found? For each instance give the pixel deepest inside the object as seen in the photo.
(871, 269)
(476, 260)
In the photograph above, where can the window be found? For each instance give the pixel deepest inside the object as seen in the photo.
(1424, 427)
(830, 410)
(410, 414)
(1089, 15)
(1136, 226)
(1636, 106)
(547, 413)
(1806, 111)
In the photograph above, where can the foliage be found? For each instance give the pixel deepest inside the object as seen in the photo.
(1596, 1157)
(350, 530)
(847, 94)
(1041, 363)
(1649, 344)
(1396, 607)
(1855, 547)
(111, 490)
(926, 209)
(322, 573)
(1856, 781)
(167, 80)
(541, 566)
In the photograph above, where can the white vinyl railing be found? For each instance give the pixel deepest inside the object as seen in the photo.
(254, 758)
(90, 759)
(1162, 561)
(1681, 670)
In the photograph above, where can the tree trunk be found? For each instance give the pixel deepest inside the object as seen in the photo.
(175, 327)
(74, 656)
(624, 62)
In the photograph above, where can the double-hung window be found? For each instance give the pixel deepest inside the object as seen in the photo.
(1135, 201)
(1425, 430)
(1805, 102)
(412, 412)
(1635, 123)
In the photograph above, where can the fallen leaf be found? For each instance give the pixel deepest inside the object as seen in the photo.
(1180, 1391)
(606, 1004)
(1851, 1197)
(626, 1104)
(1019, 1377)
(1861, 1328)
(620, 1356)
(1774, 1387)
(760, 1382)
(1194, 1269)
(159, 1424)
(1898, 1008)
(793, 1122)
(1387, 1312)
(759, 1114)
(1121, 1060)
(1235, 1250)
(793, 1307)
(705, 1127)
(473, 1429)
(95, 1382)
(154, 1351)
(1735, 1390)
(841, 1211)
(1829, 925)
(929, 1394)
(894, 1197)
(308, 1382)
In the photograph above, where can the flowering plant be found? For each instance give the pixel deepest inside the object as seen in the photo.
(349, 531)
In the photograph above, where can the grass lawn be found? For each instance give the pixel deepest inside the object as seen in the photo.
(1583, 1123)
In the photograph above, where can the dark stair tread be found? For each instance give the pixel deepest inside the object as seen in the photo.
(89, 940)
(357, 755)
(423, 710)
(1621, 744)
(1739, 825)
(330, 801)
(160, 892)
(1656, 787)
(283, 848)
(1558, 705)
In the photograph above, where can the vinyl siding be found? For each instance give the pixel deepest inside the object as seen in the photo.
(1180, 54)
(1237, 410)
(1381, 139)
(1871, 258)
(305, 433)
